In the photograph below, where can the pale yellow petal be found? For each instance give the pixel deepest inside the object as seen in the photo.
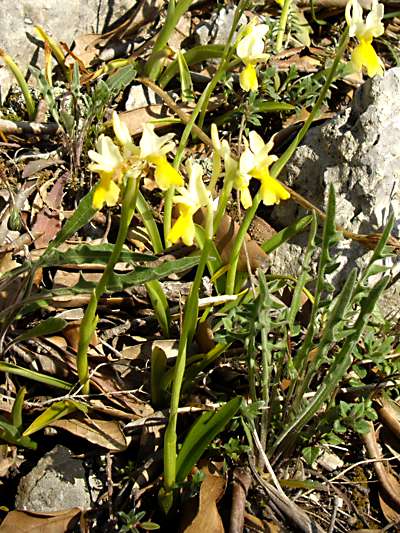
(106, 192)
(165, 174)
(245, 198)
(272, 192)
(364, 55)
(248, 78)
(183, 228)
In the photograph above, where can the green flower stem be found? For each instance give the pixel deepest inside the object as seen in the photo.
(188, 328)
(175, 11)
(224, 65)
(168, 199)
(146, 214)
(88, 325)
(282, 161)
(282, 25)
(30, 106)
(280, 164)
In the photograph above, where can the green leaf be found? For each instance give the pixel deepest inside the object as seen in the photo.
(16, 413)
(311, 453)
(149, 526)
(287, 233)
(46, 327)
(118, 81)
(201, 434)
(197, 54)
(361, 426)
(92, 253)
(54, 412)
(269, 107)
(158, 369)
(35, 376)
(160, 305)
(10, 434)
(117, 282)
(187, 94)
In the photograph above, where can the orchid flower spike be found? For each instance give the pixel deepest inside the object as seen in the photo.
(154, 149)
(250, 47)
(364, 54)
(254, 163)
(189, 201)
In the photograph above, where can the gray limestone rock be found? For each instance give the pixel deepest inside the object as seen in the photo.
(63, 22)
(56, 483)
(359, 153)
(217, 29)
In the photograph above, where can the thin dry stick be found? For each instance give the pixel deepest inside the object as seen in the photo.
(241, 485)
(368, 240)
(34, 128)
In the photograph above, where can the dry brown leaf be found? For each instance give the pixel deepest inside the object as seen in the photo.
(388, 482)
(144, 350)
(7, 262)
(389, 510)
(389, 413)
(101, 407)
(23, 522)
(181, 32)
(208, 518)
(225, 239)
(37, 165)
(48, 222)
(135, 118)
(105, 433)
(85, 49)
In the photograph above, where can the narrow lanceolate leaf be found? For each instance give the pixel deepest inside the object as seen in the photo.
(46, 327)
(201, 434)
(117, 282)
(16, 413)
(287, 233)
(54, 412)
(35, 376)
(197, 54)
(92, 254)
(140, 275)
(186, 79)
(11, 434)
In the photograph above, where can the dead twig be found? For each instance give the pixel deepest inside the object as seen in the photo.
(241, 485)
(34, 128)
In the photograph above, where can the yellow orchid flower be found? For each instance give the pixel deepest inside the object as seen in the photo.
(254, 163)
(153, 149)
(189, 201)
(364, 54)
(107, 162)
(113, 161)
(249, 48)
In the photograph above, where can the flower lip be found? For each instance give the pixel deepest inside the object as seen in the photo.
(364, 54)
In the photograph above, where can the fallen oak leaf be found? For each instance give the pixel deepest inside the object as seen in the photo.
(105, 433)
(23, 521)
(208, 518)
